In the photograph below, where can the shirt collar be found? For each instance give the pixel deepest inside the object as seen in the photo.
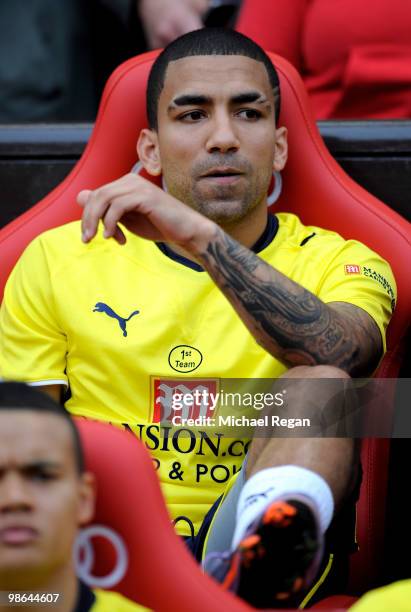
(264, 240)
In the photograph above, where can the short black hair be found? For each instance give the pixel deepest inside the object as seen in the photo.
(19, 396)
(207, 41)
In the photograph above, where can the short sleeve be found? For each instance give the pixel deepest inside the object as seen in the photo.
(359, 276)
(32, 344)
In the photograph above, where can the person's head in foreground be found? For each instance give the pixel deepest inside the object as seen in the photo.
(213, 103)
(45, 495)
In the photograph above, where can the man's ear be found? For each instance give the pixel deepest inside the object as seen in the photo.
(87, 498)
(148, 152)
(281, 149)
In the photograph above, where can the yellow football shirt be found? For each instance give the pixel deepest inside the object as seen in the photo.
(109, 601)
(128, 327)
(395, 597)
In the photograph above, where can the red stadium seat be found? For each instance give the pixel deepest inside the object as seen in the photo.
(152, 564)
(335, 603)
(315, 188)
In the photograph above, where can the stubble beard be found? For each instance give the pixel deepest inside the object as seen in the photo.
(223, 206)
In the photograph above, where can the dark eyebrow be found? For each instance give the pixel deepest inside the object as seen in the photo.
(189, 100)
(249, 97)
(42, 465)
(36, 467)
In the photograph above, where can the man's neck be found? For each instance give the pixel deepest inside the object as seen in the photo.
(63, 583)
(246, 231)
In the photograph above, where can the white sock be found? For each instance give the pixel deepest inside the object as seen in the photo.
(282, 482)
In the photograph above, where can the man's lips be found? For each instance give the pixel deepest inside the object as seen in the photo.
(18, 535)
(222, 175)
(221, 171)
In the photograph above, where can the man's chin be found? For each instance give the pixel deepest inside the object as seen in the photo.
(24, 571)
(224, 212)
(16, 577)
(20, 563)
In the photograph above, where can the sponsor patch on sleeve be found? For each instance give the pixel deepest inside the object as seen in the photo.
(379, 278)
(352, 269)
(376, 276)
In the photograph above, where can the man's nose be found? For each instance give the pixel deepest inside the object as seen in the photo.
(223, 137)
(14, 494)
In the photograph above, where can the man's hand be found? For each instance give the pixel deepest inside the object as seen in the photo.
(165, 20)
(287, 320)
(146, 210)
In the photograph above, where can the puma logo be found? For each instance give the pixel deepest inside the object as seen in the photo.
(101, 307)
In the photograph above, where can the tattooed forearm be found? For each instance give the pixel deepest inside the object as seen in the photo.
(287, 320)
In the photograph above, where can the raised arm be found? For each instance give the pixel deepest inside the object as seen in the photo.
(291, 323)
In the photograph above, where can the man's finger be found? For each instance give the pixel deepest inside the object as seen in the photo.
(83, 196)
(98, 202)
(93, 212)
(117, 209)
(119, 235)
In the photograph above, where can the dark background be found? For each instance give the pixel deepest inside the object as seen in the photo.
(35, 158)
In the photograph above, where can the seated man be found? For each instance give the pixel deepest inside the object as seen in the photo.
(45, 495)
(219, 289)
